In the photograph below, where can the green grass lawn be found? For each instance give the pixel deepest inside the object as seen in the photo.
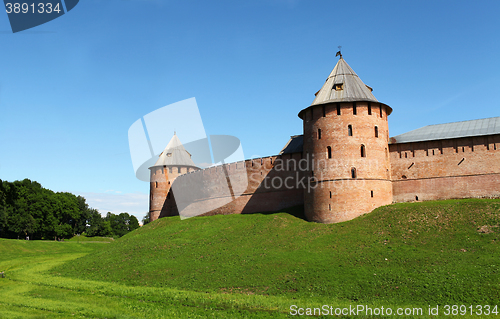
(83, 238)
(402, 255)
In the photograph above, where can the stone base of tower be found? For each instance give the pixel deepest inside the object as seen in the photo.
(343, 200)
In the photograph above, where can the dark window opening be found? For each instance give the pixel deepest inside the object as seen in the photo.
(319, 134)
(432, 152)
(369, 108)
(324, 111)
(404, 177)
(349, 130)
(338, 86)
(354, 108)
(329, 151)
(338, 108)
(353, 172)
(463, 149)
(416, 198)
(376, 131)
(371, 194)
(406, 155)
(156, 184)
(330, 194)
(329, 206)
(363, 151)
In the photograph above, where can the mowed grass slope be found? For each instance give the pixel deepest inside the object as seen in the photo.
(427, 253)
(29, 291)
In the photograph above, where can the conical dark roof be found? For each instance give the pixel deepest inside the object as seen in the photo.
(175, 155)
(350, 86)
(344, 85)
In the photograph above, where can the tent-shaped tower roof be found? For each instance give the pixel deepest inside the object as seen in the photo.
(175, 155)
(344, 85)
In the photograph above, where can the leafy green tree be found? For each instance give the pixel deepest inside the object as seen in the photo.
(94, 223)
(145, 219)
(85, 215)
(106, 230)
(133, 223)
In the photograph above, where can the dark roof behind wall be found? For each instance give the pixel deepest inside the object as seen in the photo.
(294, 145)
(481, 127)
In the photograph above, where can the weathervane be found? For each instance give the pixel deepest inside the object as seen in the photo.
(339, 53)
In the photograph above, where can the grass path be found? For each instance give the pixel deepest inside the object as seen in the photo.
(405, 255)
(30, 291)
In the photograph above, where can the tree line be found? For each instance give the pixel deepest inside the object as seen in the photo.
(28, 209)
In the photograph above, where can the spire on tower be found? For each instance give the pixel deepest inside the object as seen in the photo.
(339, 53)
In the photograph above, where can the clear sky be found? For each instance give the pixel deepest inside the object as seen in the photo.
(71, 88)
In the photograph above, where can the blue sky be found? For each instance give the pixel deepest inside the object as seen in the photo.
(71, 88)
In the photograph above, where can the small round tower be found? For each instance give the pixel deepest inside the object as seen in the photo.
(172, 162)
(346, 144)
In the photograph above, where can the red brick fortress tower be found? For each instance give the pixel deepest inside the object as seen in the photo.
(346, 144)
(173, 161)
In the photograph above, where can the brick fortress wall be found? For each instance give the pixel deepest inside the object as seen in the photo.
(265, 184)
(445, 169)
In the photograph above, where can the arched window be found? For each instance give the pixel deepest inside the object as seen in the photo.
(329, 152)
(319, 134)
(363, 151)
(353, 172)
(349, 130)
(376, 131)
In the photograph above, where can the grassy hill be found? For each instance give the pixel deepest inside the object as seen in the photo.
(427, 253)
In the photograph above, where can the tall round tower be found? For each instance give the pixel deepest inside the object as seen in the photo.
(346, 144)
(173, 161)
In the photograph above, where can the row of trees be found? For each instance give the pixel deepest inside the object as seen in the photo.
(28, 209)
